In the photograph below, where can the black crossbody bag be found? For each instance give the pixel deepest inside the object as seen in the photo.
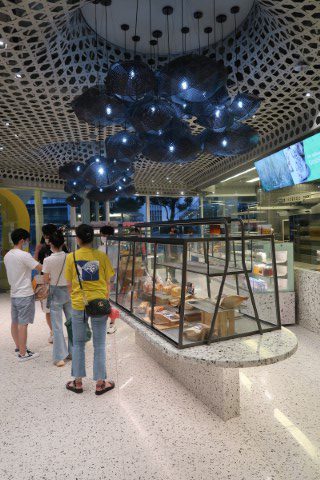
(99, 307)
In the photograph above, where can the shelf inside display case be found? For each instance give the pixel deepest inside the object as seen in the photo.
(202, 268)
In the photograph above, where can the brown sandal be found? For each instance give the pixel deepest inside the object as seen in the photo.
(72, 386)
(104, 388)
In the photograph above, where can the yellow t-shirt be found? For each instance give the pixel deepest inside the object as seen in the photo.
(95, 271)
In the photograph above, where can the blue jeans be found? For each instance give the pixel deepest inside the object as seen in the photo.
(99, 333)
(59, 302)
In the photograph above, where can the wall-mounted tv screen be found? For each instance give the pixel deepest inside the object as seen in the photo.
(298, 163)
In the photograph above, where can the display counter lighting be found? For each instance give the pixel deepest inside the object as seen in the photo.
(238, 175)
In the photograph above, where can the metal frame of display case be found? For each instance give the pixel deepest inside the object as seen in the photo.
(227, 238)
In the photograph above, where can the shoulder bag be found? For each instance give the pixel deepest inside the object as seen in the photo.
(50, 290)
(99, 307)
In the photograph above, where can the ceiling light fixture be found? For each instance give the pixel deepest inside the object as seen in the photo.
(308, 94)
(255, 179)
(238, 175)
(18, 75)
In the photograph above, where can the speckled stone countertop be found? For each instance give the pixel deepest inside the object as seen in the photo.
(251, 351)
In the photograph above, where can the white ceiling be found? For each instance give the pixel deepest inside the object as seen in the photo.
(124, 11)
(50, 59)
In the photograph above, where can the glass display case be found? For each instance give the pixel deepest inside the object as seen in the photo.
(194, 288)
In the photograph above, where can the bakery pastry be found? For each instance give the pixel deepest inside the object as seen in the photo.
(158, 308)
(176, 291)
(197, 332)
(232, 301)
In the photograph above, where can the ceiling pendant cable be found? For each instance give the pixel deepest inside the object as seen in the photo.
(168, 11)
(136, 38)
(107, 46)
(197, 15)
(234, 10)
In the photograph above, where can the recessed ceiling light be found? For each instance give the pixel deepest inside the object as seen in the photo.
(17, 136)
(308, 94)
(253, 116)
(7, 124)
(1, 147)
(181, 193)
(18, 75)
(157, 193)
(167, 178)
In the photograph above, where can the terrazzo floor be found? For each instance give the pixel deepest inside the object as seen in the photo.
(150, 427)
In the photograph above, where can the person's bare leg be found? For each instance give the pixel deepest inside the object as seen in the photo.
(48, 318)
(23, 334)
(15, 334)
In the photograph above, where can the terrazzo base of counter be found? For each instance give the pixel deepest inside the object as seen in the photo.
(242, 352)
(266, 307)
(216, 387)
(307, 285)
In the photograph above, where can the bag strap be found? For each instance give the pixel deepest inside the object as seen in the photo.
(78, 274)
(64, 261)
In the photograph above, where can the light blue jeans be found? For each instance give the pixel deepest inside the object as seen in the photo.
(99, 333)
(59, 301)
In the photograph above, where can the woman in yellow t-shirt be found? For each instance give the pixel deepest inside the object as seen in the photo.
(95, 271)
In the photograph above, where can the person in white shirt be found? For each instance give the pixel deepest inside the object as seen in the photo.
(111, 249)
(19, 265)
(59, 298)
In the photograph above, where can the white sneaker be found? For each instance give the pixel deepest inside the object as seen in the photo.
(112, 328)
(50, 339)
(27, 356)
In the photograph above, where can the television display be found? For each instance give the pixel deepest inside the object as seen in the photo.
(298, 163)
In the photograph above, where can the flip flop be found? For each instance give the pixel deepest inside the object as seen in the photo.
(106, 389)
(72, 386)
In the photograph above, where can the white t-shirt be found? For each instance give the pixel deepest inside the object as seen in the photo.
(53, 265)
(112, 252)
(19, 265)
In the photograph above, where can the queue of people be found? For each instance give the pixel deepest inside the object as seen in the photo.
(75, 279)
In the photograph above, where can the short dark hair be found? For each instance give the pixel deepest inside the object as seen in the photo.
(19, 234)
(107, 230)
(49, 229)
(85, 233)
(56, 239)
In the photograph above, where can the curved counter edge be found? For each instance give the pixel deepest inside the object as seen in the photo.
(242, 352)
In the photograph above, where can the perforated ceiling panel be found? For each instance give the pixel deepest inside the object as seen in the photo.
(50, 57)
